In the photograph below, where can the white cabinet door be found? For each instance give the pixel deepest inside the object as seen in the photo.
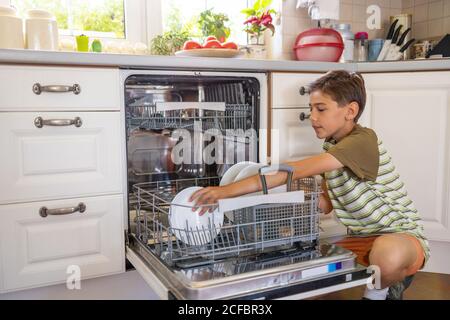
(99, 88)
(43, 251)
(410, 113)
(292, 138)
(286, 89)
(55, 162)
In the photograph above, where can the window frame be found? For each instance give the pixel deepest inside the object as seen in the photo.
(135, 13)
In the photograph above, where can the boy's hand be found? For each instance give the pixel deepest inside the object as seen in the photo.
(207, 196)
(324, 204)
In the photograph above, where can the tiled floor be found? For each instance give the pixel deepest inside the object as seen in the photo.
(425, 286)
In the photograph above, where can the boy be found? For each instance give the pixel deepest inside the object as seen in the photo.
(359, 183)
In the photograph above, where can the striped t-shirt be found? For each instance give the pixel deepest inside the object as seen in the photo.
(367, 194)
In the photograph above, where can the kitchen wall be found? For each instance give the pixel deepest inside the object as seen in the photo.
(431, 18)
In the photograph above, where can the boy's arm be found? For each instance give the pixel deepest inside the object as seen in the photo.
(302, 168)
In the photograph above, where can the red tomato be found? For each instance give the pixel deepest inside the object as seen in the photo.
(210, 38)
(190, 44)
(222, 39)
(230, 45)
(212, 44)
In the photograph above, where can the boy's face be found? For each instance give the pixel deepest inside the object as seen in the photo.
(328, 119)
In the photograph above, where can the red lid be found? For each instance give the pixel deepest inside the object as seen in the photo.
(362, 35)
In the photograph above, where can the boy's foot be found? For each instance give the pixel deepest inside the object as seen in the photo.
(396, 290)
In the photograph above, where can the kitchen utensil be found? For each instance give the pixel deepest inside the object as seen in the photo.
(11, 29)
(441, 48)
(403, 49)
(318, 44)
(41, 30)
(395, 47)
(404, 19)
(387, 42)
(188, 226)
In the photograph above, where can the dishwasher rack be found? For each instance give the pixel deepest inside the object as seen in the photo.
(245, 231)
(234, 117)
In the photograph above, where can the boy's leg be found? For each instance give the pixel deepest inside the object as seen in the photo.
(398, 255)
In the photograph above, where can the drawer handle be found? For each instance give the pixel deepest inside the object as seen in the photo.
(39, 122)
(38, 89)
(44, 211)
(303, 116)
(303, 91)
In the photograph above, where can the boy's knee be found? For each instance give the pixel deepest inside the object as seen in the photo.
(389, 257)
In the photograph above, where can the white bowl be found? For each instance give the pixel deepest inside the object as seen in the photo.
(11, 29)
(188, 226)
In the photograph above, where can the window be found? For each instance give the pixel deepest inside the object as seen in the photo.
(96, 18)
(182, 13)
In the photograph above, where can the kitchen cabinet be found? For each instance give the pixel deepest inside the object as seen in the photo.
(410, 113)
(62, 187)
(39, 250)
(292, 137)
(56, 162)
(39, 88)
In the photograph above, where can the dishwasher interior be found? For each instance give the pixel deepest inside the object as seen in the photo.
(268, 249)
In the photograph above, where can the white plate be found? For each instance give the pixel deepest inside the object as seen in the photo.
(248, 171)
(205, 52)
(233, 171)
(182, 218)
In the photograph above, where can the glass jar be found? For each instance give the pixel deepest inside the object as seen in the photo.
(348, 38)
(361, 51)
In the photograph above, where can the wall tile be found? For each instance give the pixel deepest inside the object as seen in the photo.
(446, 26)
(420, 30)
(435, 28)
(419, 2)
(396, 4)
(359, 13)
(420, 13)
(381, 3)
(346, 12)
(435, 10)
(295, 25)
(446, 8)
(359, 2)
(407, 3)
(346, 2)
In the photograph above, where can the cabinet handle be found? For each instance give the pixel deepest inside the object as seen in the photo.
(38, 89)
(303, 91)
(44, 211)
(303, 116)
(39, 122)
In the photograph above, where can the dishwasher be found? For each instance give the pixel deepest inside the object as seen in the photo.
(264, 247)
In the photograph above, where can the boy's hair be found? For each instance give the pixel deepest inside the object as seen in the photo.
(343, 87)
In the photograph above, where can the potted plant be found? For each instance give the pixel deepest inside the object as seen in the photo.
(214, 24)
(258, 20)
(169, 42)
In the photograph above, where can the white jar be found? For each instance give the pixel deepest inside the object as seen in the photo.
(11, 29)
(41, 31)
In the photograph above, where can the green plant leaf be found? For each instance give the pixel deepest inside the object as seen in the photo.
(248, 11)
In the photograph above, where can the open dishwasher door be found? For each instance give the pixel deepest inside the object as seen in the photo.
(265, 250)
(278, 275)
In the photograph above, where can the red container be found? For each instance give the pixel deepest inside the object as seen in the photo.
(319, 44)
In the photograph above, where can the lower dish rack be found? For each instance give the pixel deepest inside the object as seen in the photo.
(244, 231)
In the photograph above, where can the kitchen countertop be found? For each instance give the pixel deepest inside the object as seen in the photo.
(8, 56)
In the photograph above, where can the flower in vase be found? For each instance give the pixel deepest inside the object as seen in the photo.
(259, 18)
